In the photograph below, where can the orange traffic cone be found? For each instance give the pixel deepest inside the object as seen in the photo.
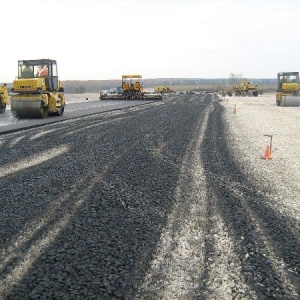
(267, 153)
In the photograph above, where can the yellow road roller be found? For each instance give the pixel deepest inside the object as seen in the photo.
(37, 91)
(3, 98)
(288, 93)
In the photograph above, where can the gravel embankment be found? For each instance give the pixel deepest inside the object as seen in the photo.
(255, 120)
(257, 199)
(165, 201)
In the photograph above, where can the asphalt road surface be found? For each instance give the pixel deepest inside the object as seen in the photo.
(77, 105)
(145, 202)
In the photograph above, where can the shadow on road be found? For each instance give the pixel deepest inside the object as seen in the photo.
(93, 215)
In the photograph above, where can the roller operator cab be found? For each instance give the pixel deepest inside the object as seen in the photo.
(288, 89)
(37, 91)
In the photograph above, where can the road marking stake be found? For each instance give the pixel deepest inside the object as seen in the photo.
(268, 154)
(268, 151)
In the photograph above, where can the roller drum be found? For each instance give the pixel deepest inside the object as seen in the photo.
(292, 101)
(29, 109)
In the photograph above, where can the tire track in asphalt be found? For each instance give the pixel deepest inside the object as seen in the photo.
(186, 265)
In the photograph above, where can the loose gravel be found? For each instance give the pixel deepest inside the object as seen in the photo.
(169, 200)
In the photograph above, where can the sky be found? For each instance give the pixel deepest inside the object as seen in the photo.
(104, 39)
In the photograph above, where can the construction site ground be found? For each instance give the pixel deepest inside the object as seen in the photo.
(168, 200)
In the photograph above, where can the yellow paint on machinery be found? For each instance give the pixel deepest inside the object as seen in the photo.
(3, 98)
(37, 92)
(163, 89)
(244, 88)
(288, 91)
(131, 76)
(131, 89)
(247, 86)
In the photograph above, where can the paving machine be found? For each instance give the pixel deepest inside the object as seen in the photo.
(131, 89)
(3, 98)
(288, 93)
(37, 92)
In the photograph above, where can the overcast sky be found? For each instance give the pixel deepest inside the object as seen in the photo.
(103, 39)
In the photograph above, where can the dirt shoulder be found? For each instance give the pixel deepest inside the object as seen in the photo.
(251, 122)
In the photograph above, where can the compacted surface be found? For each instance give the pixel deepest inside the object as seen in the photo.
(168, 200)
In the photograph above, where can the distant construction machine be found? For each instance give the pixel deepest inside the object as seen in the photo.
(244, 88)
(37, 92)
(288, 89)
(3, 98)
(163, 89)
(131, 89)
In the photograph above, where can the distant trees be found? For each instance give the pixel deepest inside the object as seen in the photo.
(81, 89)
(235, 78)
(88, 86)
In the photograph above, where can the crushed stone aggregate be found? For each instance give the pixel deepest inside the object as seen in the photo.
(169, 200)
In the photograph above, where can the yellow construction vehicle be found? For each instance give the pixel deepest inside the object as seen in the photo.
(131, 89)
(37, 91)
(288, 93)
(244, 88)
(163, 89)
(247, 88)
(3, 98)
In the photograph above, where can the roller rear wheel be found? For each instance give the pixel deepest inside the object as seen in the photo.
(44, 112)
(60, 111)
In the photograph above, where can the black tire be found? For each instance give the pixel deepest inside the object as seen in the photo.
(60, 111)
(44, 112)
(2, 109)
